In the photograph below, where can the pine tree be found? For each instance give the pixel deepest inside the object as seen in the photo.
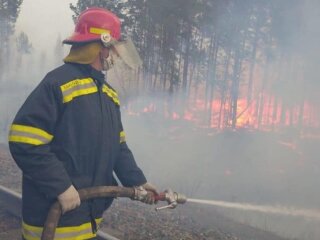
(245, 50)
(9, 11)
(23, 47)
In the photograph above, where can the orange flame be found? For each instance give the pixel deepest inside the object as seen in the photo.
(267, 115)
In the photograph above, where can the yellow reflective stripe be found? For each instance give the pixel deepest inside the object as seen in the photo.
(112, 94)
(32, 130)
(77, 87)
(77, 228)
(75, 83)
(98, 30)
(62, 233)
(27, 140)
(28, 135)
(107, 89)
(122, 137)
(78, 93)
(36, 231)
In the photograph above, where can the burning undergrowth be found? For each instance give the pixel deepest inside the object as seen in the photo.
(245, 164)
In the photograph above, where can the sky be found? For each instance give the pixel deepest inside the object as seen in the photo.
(44, 20)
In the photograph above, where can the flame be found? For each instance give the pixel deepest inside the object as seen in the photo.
(175, 116)
(150, 108)
(269, 114)
(188, 116)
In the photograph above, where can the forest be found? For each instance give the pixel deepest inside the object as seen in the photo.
(217, 63)
(228, 63)
(225, 105)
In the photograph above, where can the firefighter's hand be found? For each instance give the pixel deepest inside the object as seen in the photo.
(152, 192)
(69, 199)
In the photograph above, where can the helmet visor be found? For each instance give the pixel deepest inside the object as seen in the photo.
(124, 49)
(127, 51)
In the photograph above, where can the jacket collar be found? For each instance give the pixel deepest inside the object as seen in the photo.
(87, 69)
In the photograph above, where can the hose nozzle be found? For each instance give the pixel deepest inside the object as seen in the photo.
(172, 198)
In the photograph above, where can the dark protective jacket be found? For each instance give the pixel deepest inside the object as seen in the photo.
(69, 131)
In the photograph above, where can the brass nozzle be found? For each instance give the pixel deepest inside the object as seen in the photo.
(180, 198)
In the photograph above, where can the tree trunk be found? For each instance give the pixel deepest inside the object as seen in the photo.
(261, 104)
(224, 88)
(235, 86)
(212, 80)
(252, 67)
(186, 60)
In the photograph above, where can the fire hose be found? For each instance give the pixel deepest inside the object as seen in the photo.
(136, 193)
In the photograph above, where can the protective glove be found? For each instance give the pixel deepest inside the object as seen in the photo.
(152, 192)
(69, 199)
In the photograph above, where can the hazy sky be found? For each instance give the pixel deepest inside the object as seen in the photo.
(44, 20)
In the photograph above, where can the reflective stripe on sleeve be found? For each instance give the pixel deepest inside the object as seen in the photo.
(80, 232)
(78, 87)
(110, 93)
(29, 135)
(122, 137)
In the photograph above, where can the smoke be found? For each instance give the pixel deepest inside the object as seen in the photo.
(259, 168)
(264, 168)
(174, 146)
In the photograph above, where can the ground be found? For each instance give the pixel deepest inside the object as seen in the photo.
(132, 220)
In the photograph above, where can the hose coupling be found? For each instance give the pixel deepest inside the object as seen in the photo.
(139, 193)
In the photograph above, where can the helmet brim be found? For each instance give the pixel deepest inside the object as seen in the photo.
(78, 38)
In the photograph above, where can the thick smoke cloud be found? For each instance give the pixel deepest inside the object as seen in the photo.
(234, 165)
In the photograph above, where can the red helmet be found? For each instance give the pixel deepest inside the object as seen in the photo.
(94, 22)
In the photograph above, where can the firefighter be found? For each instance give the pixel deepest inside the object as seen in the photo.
(68, 134)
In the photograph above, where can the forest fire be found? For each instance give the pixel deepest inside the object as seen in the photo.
(272, 116)
(225, 106)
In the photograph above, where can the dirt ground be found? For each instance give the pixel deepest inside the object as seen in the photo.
(10, 227)
(127, 219)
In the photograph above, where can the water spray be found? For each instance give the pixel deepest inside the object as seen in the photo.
(174, 199)
(315, 214)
